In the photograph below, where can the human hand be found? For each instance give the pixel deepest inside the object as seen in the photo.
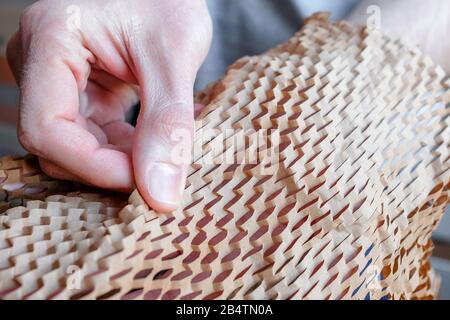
(82, 64)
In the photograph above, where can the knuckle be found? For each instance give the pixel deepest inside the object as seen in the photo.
(41, 19)
(50, 169)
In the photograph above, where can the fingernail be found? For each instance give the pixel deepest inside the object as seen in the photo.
(165, 183)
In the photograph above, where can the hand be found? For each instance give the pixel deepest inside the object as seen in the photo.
(82, 64)
(416, 22)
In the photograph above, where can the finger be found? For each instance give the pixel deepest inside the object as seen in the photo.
(162, 152)
(49, 110)
(166, 63)
(198, 108)
(93, 128)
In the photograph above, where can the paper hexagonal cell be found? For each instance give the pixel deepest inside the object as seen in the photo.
(337, 200)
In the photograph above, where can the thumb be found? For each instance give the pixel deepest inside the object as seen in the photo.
(163, 141)
(166, 64)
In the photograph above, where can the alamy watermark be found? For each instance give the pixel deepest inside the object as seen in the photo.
(373, 21)
(74, 277)
(73, 21)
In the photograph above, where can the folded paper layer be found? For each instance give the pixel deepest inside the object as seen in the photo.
(339, 202)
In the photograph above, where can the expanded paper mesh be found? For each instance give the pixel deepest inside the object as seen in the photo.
(362, 181)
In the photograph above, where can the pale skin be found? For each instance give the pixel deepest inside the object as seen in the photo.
(417, 22)
(77, 84)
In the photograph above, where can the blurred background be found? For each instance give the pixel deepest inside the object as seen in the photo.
(10, 11)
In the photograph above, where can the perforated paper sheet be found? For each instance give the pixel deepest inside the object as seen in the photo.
(342, 207)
